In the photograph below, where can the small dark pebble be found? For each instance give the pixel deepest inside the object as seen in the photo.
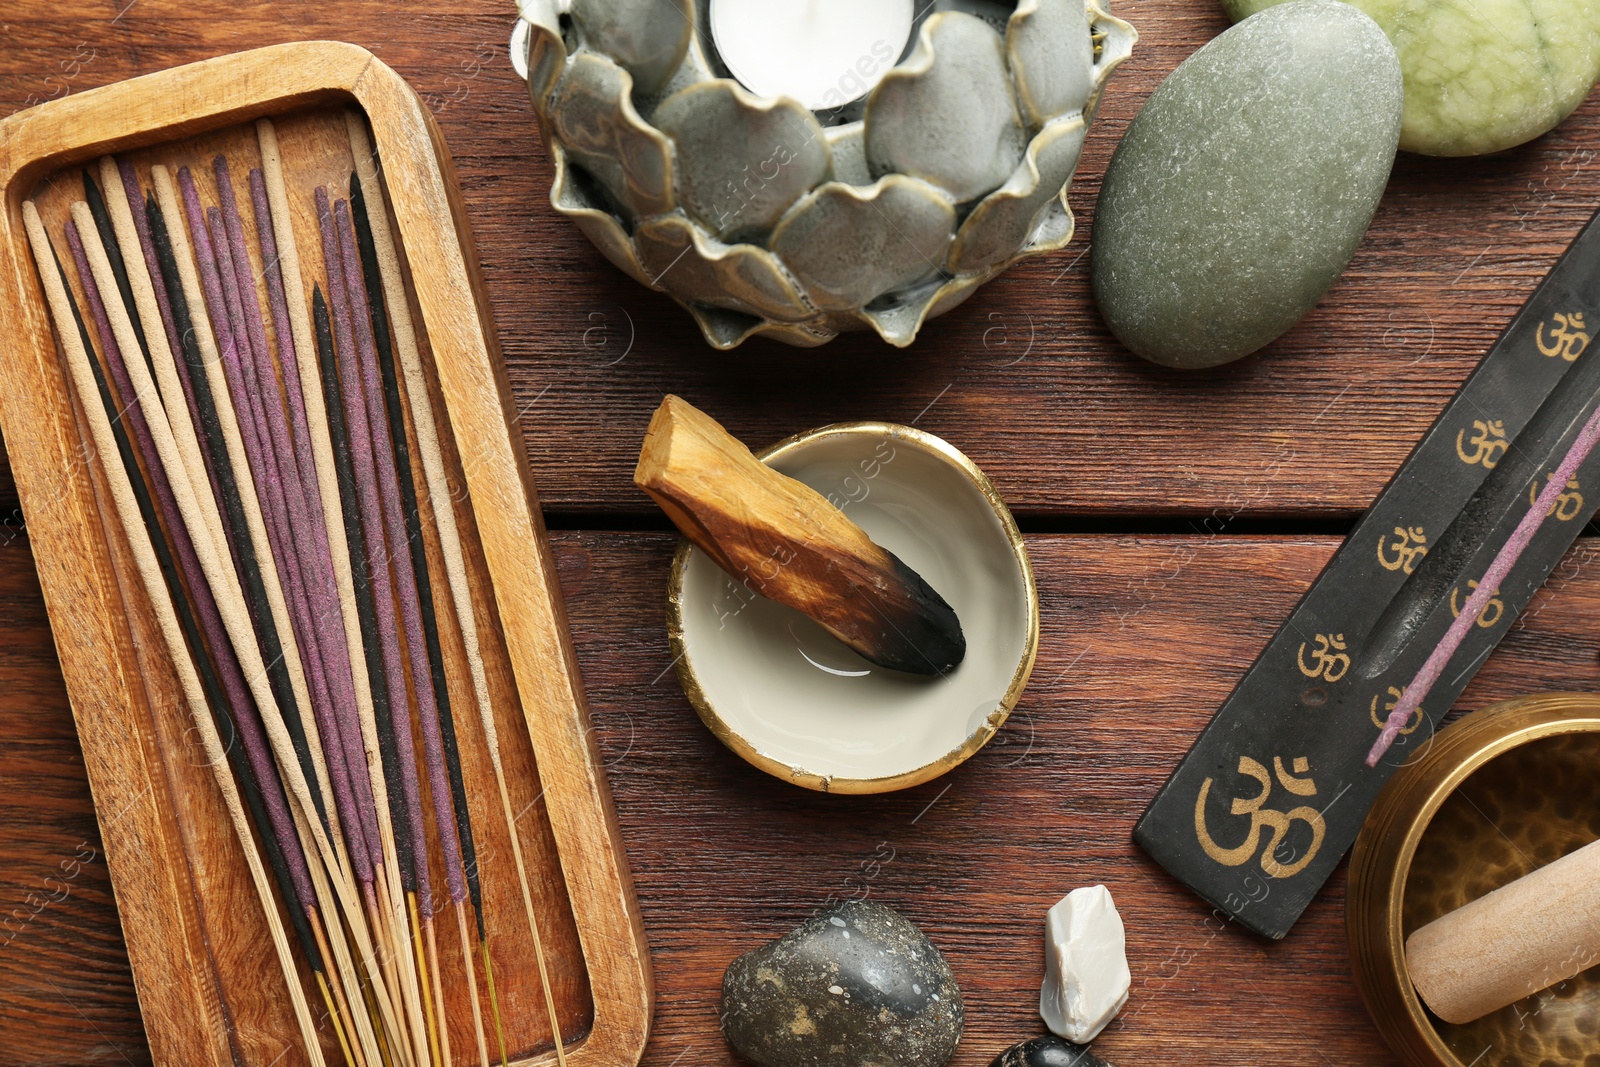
(857, 986)
(1049, 1051)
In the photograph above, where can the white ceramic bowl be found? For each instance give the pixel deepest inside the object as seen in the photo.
(790, 698)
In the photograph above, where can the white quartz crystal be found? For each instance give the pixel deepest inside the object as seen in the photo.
(1085, 965)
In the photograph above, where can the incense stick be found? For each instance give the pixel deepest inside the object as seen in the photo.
(465, 851)
(145, 310)
(367, 610)
(385, 451)
(320, 578)
(377, 555)
(441, 501)
(227, 694)
(276, 482)
(198, 346)
(309, 388)
(138, 534)
(119, 269)
(267, 607)
(222, 440)
(1488, 587)
(269, 677)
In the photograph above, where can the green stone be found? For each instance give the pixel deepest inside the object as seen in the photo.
(1241, 190)
(1483, 75)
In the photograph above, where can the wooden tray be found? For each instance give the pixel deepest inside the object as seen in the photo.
(196, 936)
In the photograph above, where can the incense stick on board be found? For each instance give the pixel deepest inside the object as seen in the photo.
(221, 680)
(377, 555)
(277, 484)
(464, 854)
(139, 539)
(268, 610)
(199, 350)
(441, 500)
(405, 543)
(305, 391)
(1488, 586)
(241, 632)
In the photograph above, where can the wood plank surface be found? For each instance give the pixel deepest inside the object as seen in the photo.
(1143, 637)
(1024, 376)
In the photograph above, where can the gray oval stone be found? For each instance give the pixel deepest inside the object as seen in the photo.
(857, 986)
(1241, 190)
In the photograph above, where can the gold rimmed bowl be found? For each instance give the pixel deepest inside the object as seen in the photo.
(1500, 794)
(791, 699)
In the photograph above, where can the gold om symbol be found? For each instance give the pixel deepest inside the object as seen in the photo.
(1567, 505)
(1328, 660)
(1408, 546)
(1380, 721)
(1491, 611)
(1567, 338)
(1265, 818)
(1488, 444)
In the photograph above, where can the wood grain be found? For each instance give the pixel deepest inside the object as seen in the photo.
(1023, 377)
(1143, 638)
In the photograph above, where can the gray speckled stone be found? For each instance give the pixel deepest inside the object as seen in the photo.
(857, 986)
(1243, 187)
(1051, 1051)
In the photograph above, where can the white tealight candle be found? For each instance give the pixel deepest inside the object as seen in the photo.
(821, 53)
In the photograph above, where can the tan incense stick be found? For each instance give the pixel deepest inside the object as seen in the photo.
(327, 482)
(166, 194)
(327, 479)
(161, 355)
(444, 518)
(160, 601)
(235, 616)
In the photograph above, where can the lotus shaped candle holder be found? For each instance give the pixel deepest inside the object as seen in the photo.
(762, 216)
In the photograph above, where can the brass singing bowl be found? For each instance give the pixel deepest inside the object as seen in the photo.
(1498, 795)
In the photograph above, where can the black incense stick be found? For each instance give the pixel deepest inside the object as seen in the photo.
(206, 670)
(254, 585)
(119, 267)
(366, 609)
(413, 522)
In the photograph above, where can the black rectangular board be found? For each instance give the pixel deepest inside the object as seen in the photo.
(1274, 791)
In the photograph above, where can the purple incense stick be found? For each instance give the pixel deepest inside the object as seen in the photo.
(232, 675)
(315, 560)
(276, 509)
(141, 224)
(405, 578)
(242, 546)
(222, 298)
(372, 534)
(1488, 586)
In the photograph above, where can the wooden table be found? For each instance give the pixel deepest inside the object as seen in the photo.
(1173, 519)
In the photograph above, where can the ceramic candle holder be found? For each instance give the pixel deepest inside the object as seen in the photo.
(762, 217)
(796, 702)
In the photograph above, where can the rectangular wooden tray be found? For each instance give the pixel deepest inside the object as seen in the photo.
(196, 938)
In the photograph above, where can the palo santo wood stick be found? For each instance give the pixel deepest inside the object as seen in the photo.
(785, 541)
(1523, 937)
